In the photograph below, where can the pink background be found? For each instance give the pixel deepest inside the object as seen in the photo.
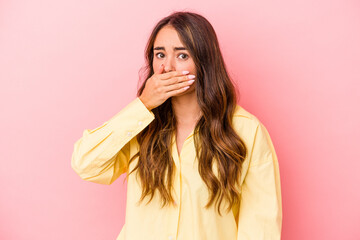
(70, 65)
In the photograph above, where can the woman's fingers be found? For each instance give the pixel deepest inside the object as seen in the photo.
(179, 79)
(178, 86)
(176, 91)
(168, 75)
(176, 82)
(160, 86)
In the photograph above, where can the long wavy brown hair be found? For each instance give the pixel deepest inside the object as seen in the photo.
(215, 139)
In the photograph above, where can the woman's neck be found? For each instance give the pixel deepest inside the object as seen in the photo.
(186, 108)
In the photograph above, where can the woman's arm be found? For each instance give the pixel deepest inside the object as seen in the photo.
(260, 214)
(102, 154)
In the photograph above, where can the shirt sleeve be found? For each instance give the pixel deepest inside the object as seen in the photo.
(102, 154)
(260, 214)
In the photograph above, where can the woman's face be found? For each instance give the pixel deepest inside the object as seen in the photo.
(169, 50)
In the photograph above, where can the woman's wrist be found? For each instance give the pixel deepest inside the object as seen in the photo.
(145, 104)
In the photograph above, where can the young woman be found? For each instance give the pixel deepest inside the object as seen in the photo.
(198, 165)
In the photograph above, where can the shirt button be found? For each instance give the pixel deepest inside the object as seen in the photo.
(129, 134)
(171, 238)
(140, 122)
(175, 203)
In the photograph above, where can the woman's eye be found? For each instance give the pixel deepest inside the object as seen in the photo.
(183, 56)
(159, 55)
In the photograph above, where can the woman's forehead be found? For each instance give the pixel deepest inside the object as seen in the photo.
(167, 37)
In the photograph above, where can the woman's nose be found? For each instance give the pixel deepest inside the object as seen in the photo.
(169, 65)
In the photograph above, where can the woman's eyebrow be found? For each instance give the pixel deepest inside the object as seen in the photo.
(175, 48)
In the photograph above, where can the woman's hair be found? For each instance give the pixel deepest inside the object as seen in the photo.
(215, 139)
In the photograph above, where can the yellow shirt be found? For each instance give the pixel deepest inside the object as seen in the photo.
(101, 155)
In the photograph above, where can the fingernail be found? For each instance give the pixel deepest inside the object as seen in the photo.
(191, 76)
(191, 81)
(185, 72)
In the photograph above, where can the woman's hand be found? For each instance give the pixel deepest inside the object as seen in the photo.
(160, 86)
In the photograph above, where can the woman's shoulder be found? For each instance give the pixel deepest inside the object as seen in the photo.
(244, 116)
(245, 123)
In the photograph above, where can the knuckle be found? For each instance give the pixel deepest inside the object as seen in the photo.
(159, 89)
